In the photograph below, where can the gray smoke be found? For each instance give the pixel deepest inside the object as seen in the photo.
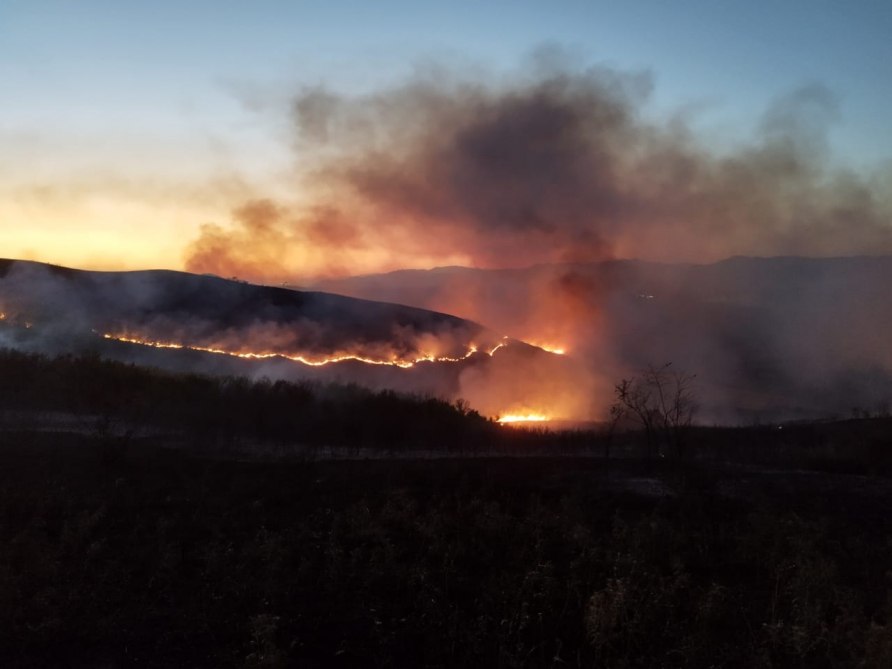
(554, 164)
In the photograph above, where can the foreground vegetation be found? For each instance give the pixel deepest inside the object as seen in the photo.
(117, 404)
(164, 559)
(150, 519)
(121, 402)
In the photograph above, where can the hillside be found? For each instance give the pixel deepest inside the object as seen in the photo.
(187, 322)
(171, 302)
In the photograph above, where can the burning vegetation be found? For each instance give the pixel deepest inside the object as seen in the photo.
(545, 176)
(306, 359)
(205, 324)
(508, 419)
(537, 181)
(480, 378)
(768, 340)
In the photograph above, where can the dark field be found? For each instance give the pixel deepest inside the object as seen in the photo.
(159, 558)
(154, 519)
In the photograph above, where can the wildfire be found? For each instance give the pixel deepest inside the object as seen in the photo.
(551, 348)
(304, 359)
(12, 320)
(523, 418)
(502, 343)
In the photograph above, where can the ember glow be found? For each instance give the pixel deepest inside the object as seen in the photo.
(304, 359)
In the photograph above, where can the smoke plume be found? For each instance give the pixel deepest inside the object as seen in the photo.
(559, 167)
(556, 164)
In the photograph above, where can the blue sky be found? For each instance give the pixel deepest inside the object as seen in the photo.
(176, 98)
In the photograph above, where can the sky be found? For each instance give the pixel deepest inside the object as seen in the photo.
(127, 126)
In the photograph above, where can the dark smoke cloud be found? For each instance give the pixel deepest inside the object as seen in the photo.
(556, 164)
(561, 167)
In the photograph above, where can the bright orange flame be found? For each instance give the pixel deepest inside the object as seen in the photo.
(502, 343)
(14, 320)
(303, 359)
(523, 418)
(551, 348)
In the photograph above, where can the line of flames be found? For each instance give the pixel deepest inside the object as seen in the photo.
(523, 418)
(395, 362)
(302, 359)
(472, 349)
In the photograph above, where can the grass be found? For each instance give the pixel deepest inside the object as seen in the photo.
(161, 558)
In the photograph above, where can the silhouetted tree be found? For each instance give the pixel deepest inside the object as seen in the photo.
(662, 402)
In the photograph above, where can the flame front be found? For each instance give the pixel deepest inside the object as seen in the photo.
(523, 418)
(303, 359)
(557, 349)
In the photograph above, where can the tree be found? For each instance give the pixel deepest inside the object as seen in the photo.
(662, 402)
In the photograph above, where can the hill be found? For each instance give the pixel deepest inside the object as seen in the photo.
(187, 322)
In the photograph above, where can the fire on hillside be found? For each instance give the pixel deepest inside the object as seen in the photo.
(510, 419)
(309, 359)
(204, 324)
(522, 417)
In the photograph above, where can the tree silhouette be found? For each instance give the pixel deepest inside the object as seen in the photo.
(662, 402)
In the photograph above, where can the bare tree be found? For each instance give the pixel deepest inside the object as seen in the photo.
(662, 402)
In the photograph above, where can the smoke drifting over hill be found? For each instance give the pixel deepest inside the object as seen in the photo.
(558, 163)
(561, 165)
(203, 323)
(557, 169)
(768, 338)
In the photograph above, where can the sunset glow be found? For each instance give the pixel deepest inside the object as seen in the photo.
(117, 158)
